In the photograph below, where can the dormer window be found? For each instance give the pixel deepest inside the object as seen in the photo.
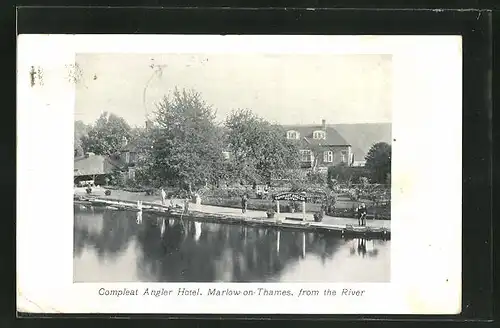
(319, 135)
(292, 134)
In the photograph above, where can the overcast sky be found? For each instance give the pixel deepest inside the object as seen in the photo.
(284, 88)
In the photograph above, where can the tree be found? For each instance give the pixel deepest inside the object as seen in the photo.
(143, 138)
(107, 134)
(81, 130)
(378, 161)
(186, 142)
(260, 150)
(316, 154)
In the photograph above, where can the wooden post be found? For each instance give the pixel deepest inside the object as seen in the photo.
(278, 207)
(303, 244)
(303, 210)
(278, 242)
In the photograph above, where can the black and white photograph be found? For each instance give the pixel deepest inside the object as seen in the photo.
(232, 168)
(255, 174)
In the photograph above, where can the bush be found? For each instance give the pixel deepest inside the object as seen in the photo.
(270, 213)
(88, 190)
(364, 181)
(318, 216)
(256, 204)
(228, 192)
(317, 178)
(343, 173)
(107, 192)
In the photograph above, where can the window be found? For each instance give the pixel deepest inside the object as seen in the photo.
(133, 157)
(319, 135)
(225, 154)
(305, 155)
(131, 173)
(344, 154)
(127, 157)
(292, 135)
(328, 156)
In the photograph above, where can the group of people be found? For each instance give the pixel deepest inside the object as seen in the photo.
(361, 214)
(171, 204)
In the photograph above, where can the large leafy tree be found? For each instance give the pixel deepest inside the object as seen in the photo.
(106, 136)
(186, 141)
(259, 148)
(81, 130)
(378, 161)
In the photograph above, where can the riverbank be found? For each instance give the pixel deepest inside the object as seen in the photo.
(151, 204)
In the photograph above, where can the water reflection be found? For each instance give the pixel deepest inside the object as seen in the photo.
(161, 250)
(363, 247)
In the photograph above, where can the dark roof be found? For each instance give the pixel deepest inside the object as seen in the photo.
(93, 165)
(333, 137)
(361, 136)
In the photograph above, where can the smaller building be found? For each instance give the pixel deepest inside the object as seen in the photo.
(127, 157)
(95, 168)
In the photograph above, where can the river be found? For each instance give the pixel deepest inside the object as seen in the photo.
(113, 246)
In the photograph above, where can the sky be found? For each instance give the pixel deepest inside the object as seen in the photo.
(281, 88)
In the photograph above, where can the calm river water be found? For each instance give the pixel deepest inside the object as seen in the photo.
(112, 246)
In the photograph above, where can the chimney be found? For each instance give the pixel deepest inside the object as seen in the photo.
(323, 124)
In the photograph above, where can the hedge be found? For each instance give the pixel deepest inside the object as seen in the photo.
(258, 204)
(264, 205)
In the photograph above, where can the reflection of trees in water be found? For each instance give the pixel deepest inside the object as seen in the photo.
(117, 229)
(207, 252)
(364, 247)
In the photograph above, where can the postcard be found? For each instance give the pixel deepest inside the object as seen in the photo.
(239, 174)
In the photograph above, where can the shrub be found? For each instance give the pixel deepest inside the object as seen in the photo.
(318, 216)
(256, 204)
(317, 178)
(364, 181)
(228, 192)
(88, 190)
(270, 213)
(107, 192)
(344, 173)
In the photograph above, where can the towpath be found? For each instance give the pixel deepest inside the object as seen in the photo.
(234, 212)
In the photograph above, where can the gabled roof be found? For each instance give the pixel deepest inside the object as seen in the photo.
(361, 136)
(93, 165)
(333, 137)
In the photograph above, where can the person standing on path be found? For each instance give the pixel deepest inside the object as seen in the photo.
(362, 215)
(186, 205)
(244, 203)
(163, 196)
